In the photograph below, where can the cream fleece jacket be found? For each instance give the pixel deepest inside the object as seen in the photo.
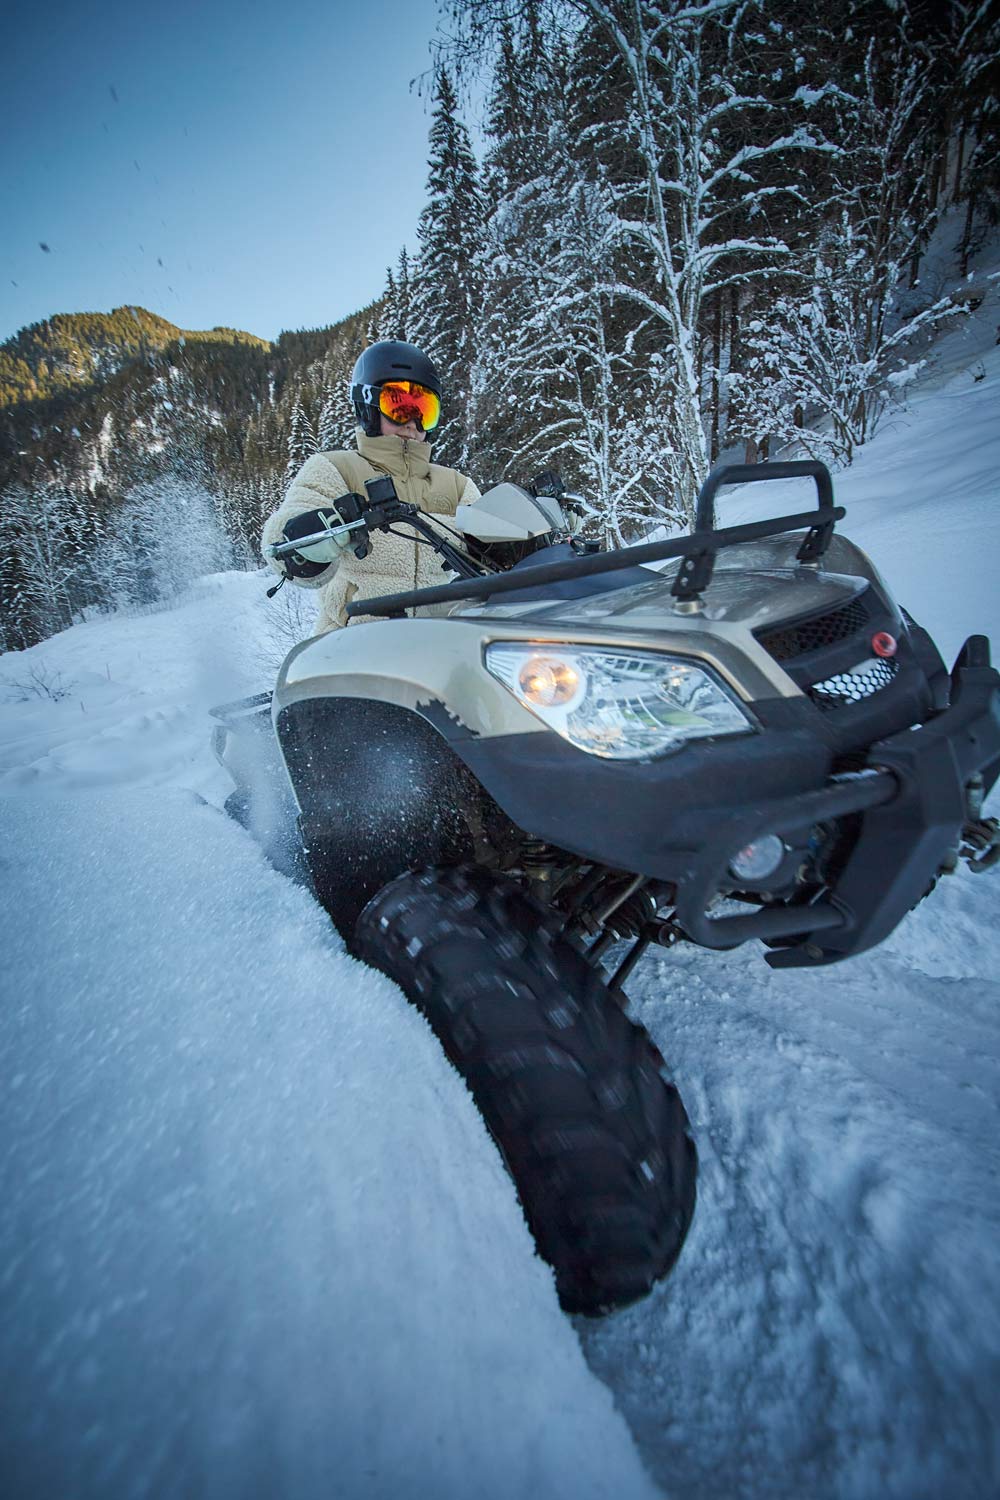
(394, 563)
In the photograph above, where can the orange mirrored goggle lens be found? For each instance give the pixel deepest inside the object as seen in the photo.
(404, 401)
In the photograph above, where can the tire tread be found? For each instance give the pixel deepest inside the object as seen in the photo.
(571, 1089)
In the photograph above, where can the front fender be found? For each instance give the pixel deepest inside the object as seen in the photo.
(433, 668)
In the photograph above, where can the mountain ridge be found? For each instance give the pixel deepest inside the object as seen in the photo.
(70, 351)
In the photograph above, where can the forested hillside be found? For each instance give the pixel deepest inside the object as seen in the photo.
(695, 231)
(74, 350)
(123, 411)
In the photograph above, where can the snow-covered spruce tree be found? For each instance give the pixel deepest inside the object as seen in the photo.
(330, 379)
(834, 349)
(698, 152)
(388, 320)
(445, 283)
(566, 374)
(329, 420)
(516, 189)
(19, 619)
(236, 510)
(259, 479)
(557, 379)
(250, 493)
(335, 420)
(302, 442)
(47, 536)
(395, 316)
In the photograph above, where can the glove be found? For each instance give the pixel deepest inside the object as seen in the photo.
(310, 561)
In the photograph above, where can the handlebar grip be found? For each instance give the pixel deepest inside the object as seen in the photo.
(282, 549)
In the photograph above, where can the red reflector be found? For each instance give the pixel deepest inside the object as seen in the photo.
(883, 644)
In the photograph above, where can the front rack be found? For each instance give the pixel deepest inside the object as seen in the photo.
(698, 550)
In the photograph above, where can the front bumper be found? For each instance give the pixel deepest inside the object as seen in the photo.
(683, 819)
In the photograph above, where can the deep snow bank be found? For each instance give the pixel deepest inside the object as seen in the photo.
(255, 1238)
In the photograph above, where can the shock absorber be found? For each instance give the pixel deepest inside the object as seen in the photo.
(538, 865)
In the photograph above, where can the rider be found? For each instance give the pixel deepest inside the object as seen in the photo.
(397, 397)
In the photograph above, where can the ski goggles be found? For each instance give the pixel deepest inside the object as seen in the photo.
(405, 401)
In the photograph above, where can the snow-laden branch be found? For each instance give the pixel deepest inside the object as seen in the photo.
(798, 140)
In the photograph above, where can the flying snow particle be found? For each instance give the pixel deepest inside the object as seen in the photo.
(43, 246)
(113, 92)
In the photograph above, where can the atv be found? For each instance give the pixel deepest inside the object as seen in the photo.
(496, 783)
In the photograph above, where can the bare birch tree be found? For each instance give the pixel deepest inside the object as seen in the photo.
(694, 137)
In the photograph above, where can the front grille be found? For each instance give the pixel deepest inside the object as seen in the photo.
(846, 688)
(790, 641)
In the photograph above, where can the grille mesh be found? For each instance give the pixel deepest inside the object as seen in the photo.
(809, 635)
(852, 687)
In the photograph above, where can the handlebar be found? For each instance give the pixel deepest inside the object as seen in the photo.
(378, 510)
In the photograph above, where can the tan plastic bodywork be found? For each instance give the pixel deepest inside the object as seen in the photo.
(434, 666)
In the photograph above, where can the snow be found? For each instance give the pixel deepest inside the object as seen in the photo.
(833, 1326)
(922, 498)
(255, 1238)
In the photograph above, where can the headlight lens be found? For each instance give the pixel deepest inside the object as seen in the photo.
(625, 705)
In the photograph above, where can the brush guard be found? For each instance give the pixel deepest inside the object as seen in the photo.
(920, 793)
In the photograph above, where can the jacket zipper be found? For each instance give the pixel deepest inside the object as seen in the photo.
(416, 544)
(406, 466)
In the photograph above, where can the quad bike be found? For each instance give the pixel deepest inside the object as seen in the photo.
(494, 782)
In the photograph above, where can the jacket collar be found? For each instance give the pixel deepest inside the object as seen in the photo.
(403, 456)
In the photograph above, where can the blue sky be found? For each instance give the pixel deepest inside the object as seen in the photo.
(249, 164)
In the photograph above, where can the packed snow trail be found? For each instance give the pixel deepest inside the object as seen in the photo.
(833, 1327)
(255, 1239)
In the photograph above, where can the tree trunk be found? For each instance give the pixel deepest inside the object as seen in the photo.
(965, 243)
(734, 327)
(716, 361)
(934, 181)
(942, 187)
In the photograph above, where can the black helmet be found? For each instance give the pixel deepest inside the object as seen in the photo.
(389, 359)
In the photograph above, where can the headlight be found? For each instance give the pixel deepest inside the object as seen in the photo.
(626, 705)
